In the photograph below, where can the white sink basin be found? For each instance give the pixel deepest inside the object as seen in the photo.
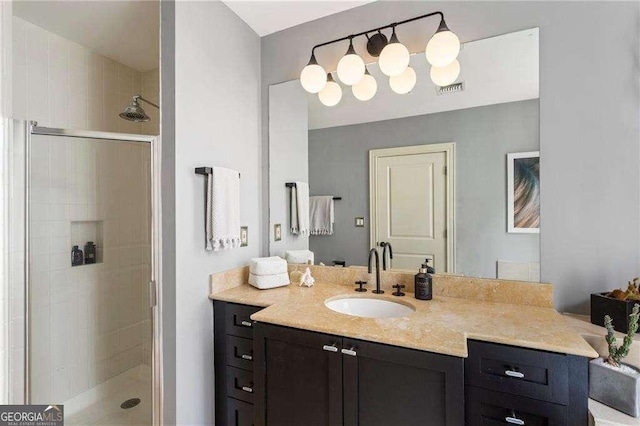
(369, 308)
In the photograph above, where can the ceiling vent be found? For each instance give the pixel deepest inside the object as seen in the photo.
(452, 88)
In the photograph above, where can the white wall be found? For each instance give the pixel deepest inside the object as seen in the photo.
(288, 160)
(589, 119)
(217, 123)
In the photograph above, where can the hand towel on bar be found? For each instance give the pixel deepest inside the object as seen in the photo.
(300, 209)
(269, 281)
(268, 265)
(299, 256)
(223, 209)
(321, 215)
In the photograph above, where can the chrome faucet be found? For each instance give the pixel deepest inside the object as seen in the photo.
(386, 246)
(374, 251)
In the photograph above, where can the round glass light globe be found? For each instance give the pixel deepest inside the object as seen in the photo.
(366, 88)
(350, 69)
(443, 48)
(394, 59)
(444, 76)
(331, 94)
(313, 78)
(404, 82)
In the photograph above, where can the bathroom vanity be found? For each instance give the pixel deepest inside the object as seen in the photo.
(283, 358)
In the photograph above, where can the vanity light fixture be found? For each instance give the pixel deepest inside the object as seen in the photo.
(313, 77)
(441, 52)
(366, 87)
(444, 76)
(394, 58)
(403, 83)
(351, 67)
(331, 94)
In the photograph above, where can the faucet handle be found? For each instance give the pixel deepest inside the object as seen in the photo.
(398, 292)
(361, 283)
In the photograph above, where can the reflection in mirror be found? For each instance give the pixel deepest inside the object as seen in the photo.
(446, 175)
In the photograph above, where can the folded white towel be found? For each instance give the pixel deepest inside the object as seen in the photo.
(268, 265)
(223, 209)
(321, 216)
(299, 256)
(269, 281)
(300, 209)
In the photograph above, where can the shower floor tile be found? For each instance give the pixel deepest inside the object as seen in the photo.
(101, 405)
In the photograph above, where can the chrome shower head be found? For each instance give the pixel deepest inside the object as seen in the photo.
(134, 112)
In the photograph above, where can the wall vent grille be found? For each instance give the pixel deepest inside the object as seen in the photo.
(452, 88)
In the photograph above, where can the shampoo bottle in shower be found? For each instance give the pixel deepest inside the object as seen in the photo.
(89, 253)
(77, 257)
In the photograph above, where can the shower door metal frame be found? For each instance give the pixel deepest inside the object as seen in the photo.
(155, 289)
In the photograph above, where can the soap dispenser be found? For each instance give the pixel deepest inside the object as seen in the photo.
(77, 257)
(423, 284)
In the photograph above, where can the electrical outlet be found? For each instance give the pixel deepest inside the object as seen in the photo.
(244, 236)
(277, 232)
(359, 222)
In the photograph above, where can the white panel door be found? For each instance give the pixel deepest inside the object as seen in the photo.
(410, 208)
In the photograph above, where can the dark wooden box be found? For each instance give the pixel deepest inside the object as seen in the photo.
(618, 310)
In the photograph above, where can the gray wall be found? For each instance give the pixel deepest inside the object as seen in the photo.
(216, 123)
(288, 152)
(589, 120)
(339, 164)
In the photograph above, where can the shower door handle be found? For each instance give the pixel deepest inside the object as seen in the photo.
(153, 294)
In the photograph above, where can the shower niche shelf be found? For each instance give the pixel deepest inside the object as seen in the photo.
(88, 230)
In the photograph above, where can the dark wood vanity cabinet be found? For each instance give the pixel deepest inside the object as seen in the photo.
(307, 378)
(269, 375)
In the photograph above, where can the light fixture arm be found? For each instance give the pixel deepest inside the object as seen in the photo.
(139, 97)
(392, 25)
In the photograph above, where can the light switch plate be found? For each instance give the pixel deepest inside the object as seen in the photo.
(359, 222)
(277, 232)
(244, 236)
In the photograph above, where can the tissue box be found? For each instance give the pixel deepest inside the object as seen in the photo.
(264, 282)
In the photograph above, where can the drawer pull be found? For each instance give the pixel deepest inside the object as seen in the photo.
(250, 390)
(514, 421)
(330, 348)
(349, 352)
(246, 323)
(515, 374)
(247, 357)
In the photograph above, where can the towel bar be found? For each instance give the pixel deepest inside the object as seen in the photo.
(293, 184)
(207, 171)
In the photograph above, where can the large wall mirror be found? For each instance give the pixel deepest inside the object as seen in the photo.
(449, 174)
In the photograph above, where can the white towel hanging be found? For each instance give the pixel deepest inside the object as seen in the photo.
(300, 209)
(223, 209)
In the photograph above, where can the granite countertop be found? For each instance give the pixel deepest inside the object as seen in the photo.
(442, 325)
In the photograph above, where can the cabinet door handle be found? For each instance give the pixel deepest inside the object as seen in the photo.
(349, 352)
(246, 324)
(247, 357)
(515, 374)
(250, 390)
(514, 420)
(330, 348)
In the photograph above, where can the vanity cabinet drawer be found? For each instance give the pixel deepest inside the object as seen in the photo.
(238, 320)
(239, 413)
(486, 408)
(518, 371)
(240, 384)
(240, 352)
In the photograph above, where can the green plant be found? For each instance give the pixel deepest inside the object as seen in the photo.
(617, 353)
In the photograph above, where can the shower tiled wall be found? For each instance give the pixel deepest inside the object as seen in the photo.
(90, 322)
(60, 83)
